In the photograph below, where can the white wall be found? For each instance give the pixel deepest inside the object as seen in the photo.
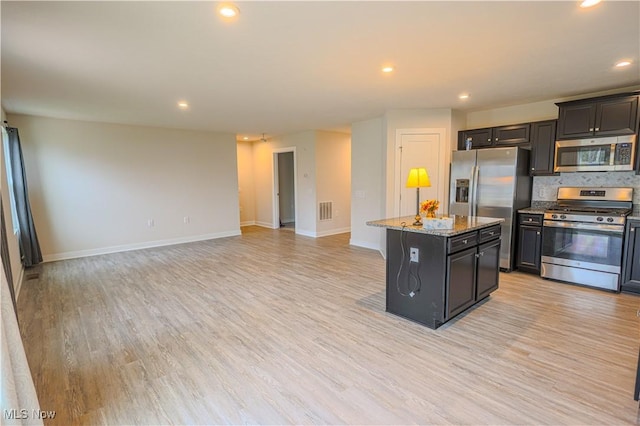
(368, 149)
(333, 170)
(373, 165)
(17, 270)
(95, 186)
(529, 112)
(323, 173)
(246, 189)
(304, 144)
(538, 111)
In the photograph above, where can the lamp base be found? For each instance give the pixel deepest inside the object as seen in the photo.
(418, 221)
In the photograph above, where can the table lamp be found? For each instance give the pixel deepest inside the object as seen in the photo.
(418, 178)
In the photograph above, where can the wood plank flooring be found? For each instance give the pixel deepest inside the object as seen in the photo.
(274, 328)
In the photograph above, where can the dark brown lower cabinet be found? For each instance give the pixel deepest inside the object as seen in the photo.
(451, 274)
(529, 243)
(487, 269)
(461, 282)
(472, 275)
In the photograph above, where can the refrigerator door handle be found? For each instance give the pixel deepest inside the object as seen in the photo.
(474, 200)
(471, 193)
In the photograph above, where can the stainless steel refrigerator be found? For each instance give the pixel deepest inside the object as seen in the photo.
(492, 182)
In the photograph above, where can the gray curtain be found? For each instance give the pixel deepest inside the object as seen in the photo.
(27, 239)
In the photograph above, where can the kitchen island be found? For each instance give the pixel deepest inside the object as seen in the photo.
(435, 274)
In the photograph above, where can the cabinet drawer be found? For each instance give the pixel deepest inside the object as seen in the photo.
(488, 234)
(461, 242)
(531, 219)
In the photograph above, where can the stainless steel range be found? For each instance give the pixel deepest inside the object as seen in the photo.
(582, 236)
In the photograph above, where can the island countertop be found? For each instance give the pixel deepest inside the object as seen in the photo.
(461, 224)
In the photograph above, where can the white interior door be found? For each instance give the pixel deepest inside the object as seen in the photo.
(426, 148)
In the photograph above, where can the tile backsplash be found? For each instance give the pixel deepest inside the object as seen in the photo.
(545, 188)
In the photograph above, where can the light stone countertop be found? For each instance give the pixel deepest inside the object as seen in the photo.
(461, 224)
(538, 207)
(532, 210)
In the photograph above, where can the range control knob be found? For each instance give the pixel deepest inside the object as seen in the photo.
(609, 219)
(563, 216)
(599, 218)
(554, 216)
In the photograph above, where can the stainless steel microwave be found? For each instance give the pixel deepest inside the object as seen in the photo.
(614, 153)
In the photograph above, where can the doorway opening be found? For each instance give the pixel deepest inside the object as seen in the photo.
(284, 189)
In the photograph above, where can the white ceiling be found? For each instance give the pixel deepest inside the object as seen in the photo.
(284, 67)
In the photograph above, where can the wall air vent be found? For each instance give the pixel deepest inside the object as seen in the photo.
(326, 210)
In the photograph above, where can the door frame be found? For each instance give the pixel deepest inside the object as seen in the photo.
(444, 158)
(276, 186)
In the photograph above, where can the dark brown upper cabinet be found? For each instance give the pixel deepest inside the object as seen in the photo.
(614, 115)
(479, 138)
(543, 142)
(511, 135)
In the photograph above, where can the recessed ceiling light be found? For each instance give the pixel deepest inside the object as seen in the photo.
(622, 64)
(228, 10)
(387, 69)
(183, 105)
(589, 3)
(464, 96)
(246, 138)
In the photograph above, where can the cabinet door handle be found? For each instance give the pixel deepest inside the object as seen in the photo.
(491, 233)
(537, 232)
(464, 241)
(597, 129)
(632, 230)
(533, 168)
(479, 254)
(591, 129)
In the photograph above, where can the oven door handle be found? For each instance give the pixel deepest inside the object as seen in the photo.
(584, 226)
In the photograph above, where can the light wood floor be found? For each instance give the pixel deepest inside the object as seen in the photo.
(274, 328)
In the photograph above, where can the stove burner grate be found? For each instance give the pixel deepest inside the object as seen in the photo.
(590, 210)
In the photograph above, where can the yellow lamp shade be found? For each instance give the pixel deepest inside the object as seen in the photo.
(418, 178)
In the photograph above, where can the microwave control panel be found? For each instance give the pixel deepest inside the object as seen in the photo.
(623, 153)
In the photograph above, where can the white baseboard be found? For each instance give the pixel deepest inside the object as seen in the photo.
(248, 223)
(264, 224)
(368, 245)
(305, 233)
(137, 246)
(364, 244)
(333, 232)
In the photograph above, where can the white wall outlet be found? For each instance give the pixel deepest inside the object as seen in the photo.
(541, 192)
(186, 219)
(151, 223)
(414, 254)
